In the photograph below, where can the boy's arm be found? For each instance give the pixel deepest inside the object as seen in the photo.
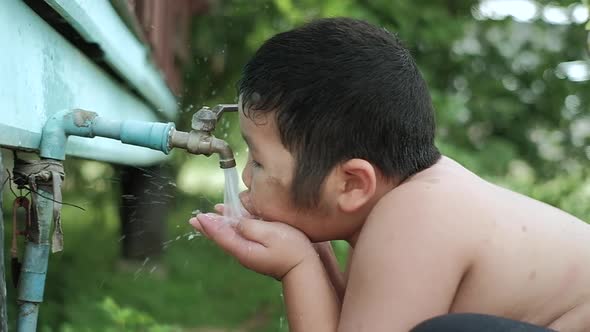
(281, 251)
(311, 301)
(408, 263)
(330, 262)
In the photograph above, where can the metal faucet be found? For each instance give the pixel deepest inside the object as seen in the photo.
(200, 140)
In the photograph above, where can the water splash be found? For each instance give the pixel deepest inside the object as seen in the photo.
(233, 208)
(189, 236)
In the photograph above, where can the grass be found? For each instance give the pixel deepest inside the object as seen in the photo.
(192, 287)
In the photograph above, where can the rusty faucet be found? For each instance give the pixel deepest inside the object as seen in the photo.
(200, 139)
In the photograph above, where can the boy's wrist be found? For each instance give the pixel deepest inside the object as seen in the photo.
(308, 265)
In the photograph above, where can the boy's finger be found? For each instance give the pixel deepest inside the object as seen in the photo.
(229, 240)
(195, 223)
(216, 229)
(199, 223)
(255, 230)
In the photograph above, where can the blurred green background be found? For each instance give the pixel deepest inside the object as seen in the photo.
(509, 80)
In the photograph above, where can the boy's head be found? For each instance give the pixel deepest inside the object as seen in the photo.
(339, 90)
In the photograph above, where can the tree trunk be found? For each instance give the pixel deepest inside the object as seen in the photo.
(145, 195)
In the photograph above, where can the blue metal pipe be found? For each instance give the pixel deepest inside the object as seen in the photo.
(62, 124)
(153, 135)
(31, 284)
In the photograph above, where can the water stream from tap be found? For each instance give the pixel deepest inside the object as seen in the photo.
(233, 209)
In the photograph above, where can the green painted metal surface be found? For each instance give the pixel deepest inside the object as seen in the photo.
(98, 22)
(41, 73)
(3, 318)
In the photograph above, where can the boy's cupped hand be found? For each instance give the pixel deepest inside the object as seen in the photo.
(271, 248)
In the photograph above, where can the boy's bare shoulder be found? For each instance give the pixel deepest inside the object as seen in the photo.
(436, 197)
(422, 215)
(441, 210)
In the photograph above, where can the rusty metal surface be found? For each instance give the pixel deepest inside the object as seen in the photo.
(165, 24)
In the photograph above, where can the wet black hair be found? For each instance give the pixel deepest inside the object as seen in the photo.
(342, 88)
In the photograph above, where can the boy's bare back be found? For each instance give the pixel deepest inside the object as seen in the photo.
(494, 251)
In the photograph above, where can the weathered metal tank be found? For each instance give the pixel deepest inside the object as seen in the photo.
(76, 81)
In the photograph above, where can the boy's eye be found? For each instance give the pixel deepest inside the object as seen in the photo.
(255, 164)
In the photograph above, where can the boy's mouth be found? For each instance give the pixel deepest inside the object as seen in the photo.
(247, 202)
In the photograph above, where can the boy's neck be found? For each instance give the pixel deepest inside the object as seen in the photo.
(383, 188)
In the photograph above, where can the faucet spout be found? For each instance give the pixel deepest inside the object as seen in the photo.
(201, 142)
(226, 155)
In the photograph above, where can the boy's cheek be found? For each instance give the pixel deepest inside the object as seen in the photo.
(260, 205)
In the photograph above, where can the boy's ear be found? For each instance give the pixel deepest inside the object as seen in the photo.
(357, 184)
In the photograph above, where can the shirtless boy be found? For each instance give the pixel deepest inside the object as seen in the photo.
(340, 129)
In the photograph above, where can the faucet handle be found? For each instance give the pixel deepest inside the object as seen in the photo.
(205, 119)
(219, 109)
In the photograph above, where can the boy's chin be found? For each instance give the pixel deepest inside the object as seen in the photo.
(244, 197)
(317, 238)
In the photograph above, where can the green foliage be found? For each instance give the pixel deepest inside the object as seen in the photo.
(122, 319)
(500, 92)
(194, 284)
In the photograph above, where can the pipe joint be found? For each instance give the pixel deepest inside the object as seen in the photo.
(153, 135)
